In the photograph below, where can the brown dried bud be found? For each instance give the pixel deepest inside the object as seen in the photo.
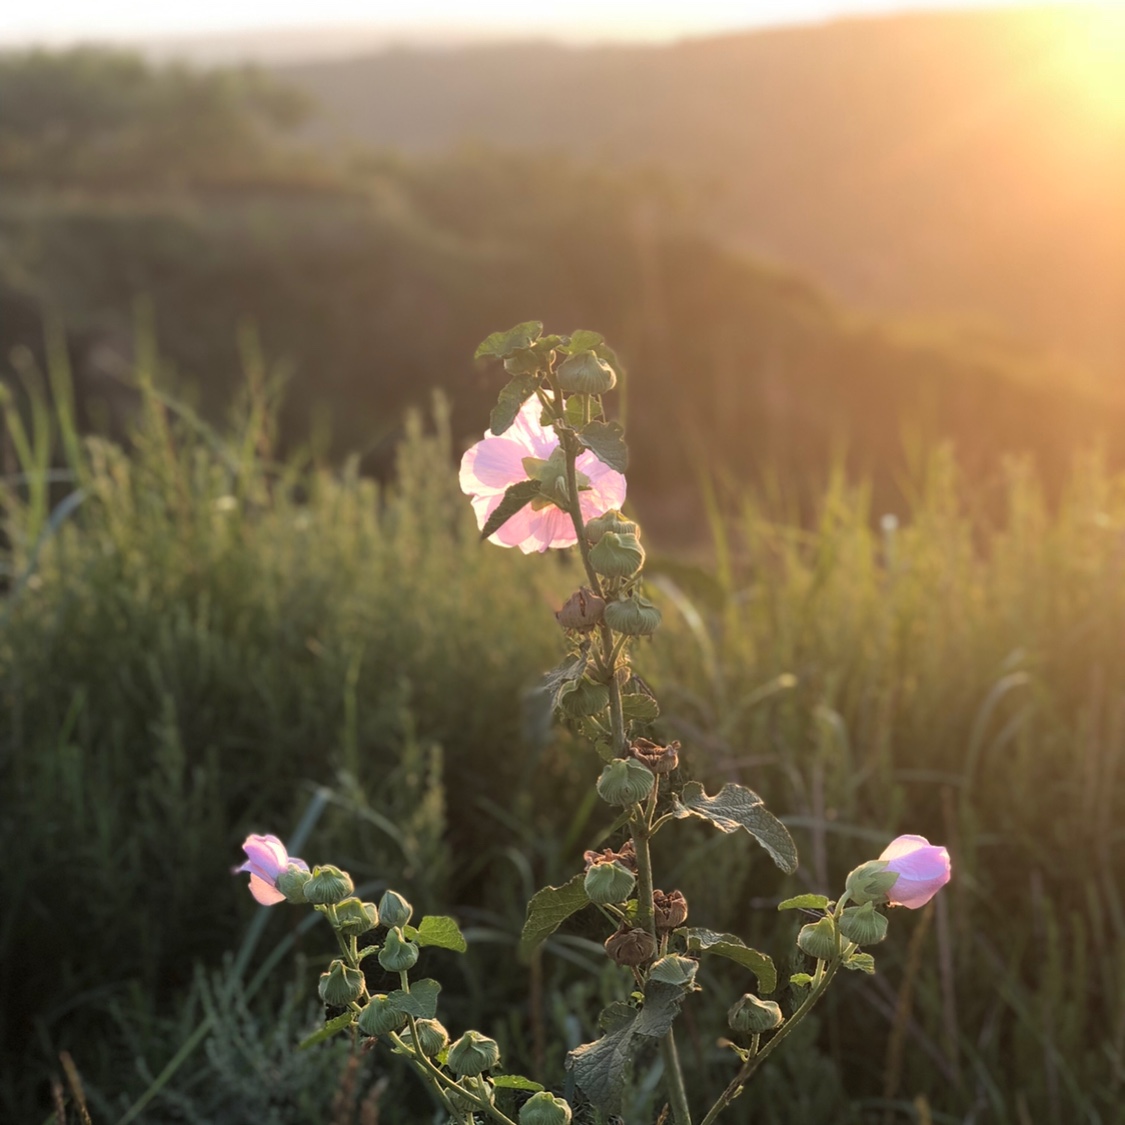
(582, 610)
(669, 910)
(659, 759)
(627, 857)
(631, 946)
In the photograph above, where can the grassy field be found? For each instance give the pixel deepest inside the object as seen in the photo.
(198, 641)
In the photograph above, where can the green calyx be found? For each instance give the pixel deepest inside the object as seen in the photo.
(394, 910)
(634, 616)
(754, 1016)
(328, 885)
(398, 955)
(473, 1054)
(863, 924)
(354, 917)
(584, 699)
(584, 374)
(380, 1017)
(544, 1109)
(819, 940)
(340, 985)
(617, 556)
(613, 521)
(871, 882)
(624, 781)
(432, 1037)
(608, 883)
(551, 475)
(291, 883)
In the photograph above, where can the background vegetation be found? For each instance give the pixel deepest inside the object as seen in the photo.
(242, 596)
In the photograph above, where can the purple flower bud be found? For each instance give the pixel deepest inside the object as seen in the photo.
(266, 858)
(922, 869)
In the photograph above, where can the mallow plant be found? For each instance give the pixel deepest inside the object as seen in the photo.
(550, 474)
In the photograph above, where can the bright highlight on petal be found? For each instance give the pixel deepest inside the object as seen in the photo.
(922, 868)
(266, 858)
(493, 465)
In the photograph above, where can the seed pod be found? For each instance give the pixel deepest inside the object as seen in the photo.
(669, 910)
(659, 759)
(863, 924)
(634, 616)
(328, 885)
(584, 374)
(432, 1037)
(753, 1015)
(624, 781)
(398, 955)
(473, 1054)
(354, 917)
(631, 946)
(617, 556)
(340, 985)
(612, 520)
(544, 1108)
(582, 610)
(608, 883)
(379, 1017)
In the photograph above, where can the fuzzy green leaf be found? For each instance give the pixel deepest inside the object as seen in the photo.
(558, 680)
(515, 1082)
(800, 980)
(511, 399)
(699, 940)
(420, 1001)
(804, 902)
(860, 962)
(582, 340)
(438, 931)
(519, 494)
(575, 410)
(639, 708)
(736, 807)
(501, 344)
(606, 440)
(548, 909)
(344, 1019)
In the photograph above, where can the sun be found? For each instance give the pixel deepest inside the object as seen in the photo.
(1087, 55)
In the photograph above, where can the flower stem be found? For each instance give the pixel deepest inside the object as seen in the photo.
(677, 1095)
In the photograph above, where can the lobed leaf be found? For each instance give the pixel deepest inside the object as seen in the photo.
(548, 909)
(500, 344)
(438, 931)
(519, 494)
(515, 1082)
(338, 1023)
(804, 902)
(420, 1001)
(699, 940)
(582, 340)
(736, 807)
(511, 400)
(606, 440)
(860, 962)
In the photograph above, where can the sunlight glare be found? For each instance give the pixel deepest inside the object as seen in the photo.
(1089, 57)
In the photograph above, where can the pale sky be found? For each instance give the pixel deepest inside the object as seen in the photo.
(60, 21)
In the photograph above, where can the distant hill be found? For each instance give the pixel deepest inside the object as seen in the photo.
(964, 165)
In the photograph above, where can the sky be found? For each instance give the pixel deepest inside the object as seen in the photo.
(62, 21)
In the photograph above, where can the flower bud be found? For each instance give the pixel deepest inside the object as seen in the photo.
(674, 969)
(863, 924)
(327, 885)
(608, 883)
(354, 917)
(582, 610)
(669, 910)
(432, 1037)
(398, 955)
(753, 1015)
(584, 374)
(870, 882)
(394, 910)
(922, 868)
(617, 556)
(631, 946)
(624, 781)
(659, 759)
(634, 616)
(819, 940)
(340, 985)
(473, 1054)
(544, 1109)
(585, 699)
(291, 883)
(614, 521)
(379, 1017)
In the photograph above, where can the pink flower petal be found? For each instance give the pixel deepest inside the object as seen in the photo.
(540, 441)
(923, 869)
(266, 893)
(492, 465)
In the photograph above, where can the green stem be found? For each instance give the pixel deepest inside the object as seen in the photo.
(677, 1095)
(755, 1060)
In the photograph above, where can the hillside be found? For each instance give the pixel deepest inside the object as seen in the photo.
(964, 165)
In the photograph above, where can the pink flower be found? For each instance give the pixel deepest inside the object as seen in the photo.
(496, 463)
(266, 858)
(922, 868)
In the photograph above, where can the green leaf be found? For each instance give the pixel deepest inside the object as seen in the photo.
(804, 902)
(548, 909)
(575, 414)
(519, 494)
(737, 807)
(367, 951)
(515, 1082)
(606, 440)
(800, 980)
(438, 931)
(639, 708)
(601, 1068)
(699, 940)
(344, 1019)
(860, 962)
(558, 680)
(511, 399)
(501, 344)
(582, 340)
(420, 1001)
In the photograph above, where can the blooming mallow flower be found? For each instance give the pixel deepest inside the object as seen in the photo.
(922, 869)
(523, 452)
(266, 858)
